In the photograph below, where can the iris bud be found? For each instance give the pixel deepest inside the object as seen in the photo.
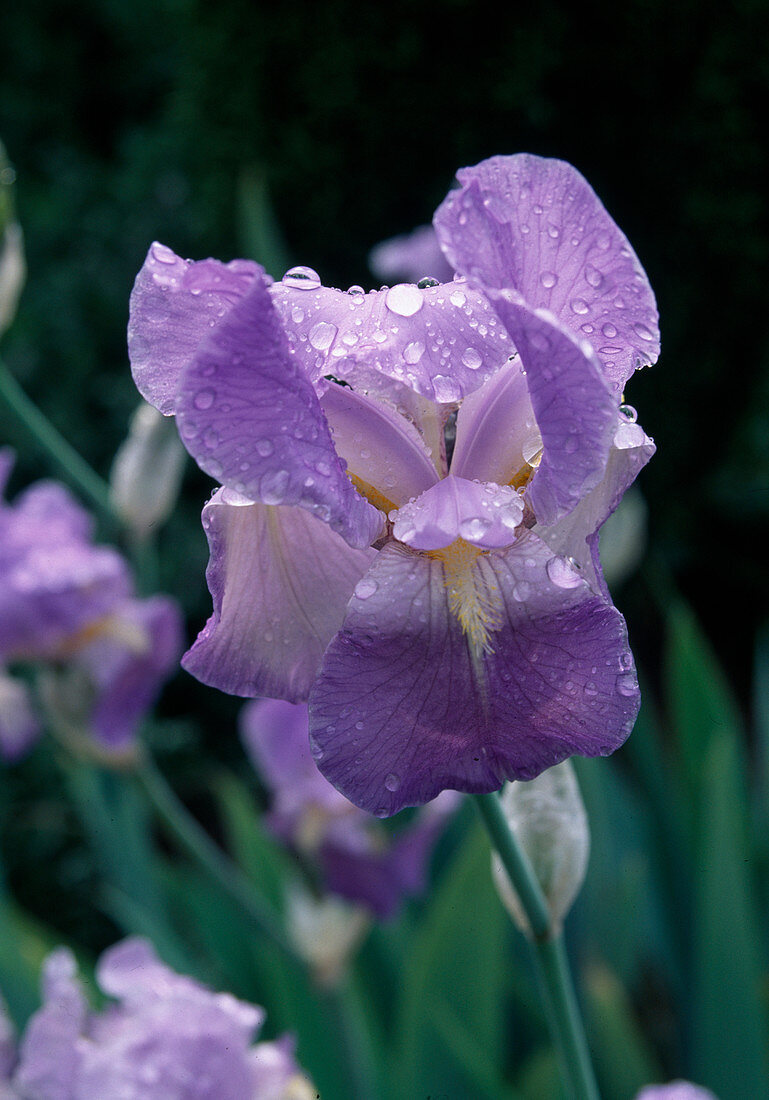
(147, 471)
(548, 819)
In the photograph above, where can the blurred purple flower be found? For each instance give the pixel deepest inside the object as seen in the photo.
(69, 604)
(410, 258)
(676, 1090)
(165, 1036)
(357, 859)
(414, 480)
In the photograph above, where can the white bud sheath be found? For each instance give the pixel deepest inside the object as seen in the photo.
(147, 471)
(548, 819)
(325, 932)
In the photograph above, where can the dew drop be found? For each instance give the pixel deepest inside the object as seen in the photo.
(413, 352)
(163, 254)
(365, 588)
(548, 279)
(609, 330)
(579, 305)
(593, 276)
(445, 389)
(392, 782)
(627, 684)
(629, 413)
(427, 281)
(457, 298)
(590, 689)
(357, 293)
(562, 574)
(471, 358)
(204, 399)
(322, 335)
(603, 240)
(301, 278)
(210, 439)
(273, 486)
(297, 315)
(474, 529)
(404, 299)
(587, 329)
(642, 331)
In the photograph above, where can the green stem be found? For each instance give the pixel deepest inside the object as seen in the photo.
(63, 454)
(344, 1007)
(193, 839)
(546, 942)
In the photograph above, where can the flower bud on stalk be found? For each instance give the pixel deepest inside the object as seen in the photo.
(147, 471)
(325, 932)
(12, 266)
(548, 819)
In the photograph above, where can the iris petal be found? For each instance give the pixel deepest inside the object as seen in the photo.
(251, 419)
(404, 708)
(535, 225)
(280, 582)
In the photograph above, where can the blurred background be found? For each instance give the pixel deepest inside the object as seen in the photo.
(307, 133)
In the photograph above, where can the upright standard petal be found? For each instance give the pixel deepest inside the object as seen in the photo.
(575, 536)
(174, 304)
(251, 419)
(406, 704)
(280, 581)
(575, 411)
(536, 226)
(443, 341)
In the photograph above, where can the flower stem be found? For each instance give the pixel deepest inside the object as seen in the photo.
(193, 839)
(64, 456)
(546, 942)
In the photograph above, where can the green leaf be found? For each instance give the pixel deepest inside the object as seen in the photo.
(624, 1061)
(730, 1029)
(457, 968)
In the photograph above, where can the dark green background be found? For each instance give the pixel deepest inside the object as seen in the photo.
(130, 122)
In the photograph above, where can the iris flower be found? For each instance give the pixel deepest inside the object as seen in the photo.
(69, 605)
(356, 858)
(413, 481)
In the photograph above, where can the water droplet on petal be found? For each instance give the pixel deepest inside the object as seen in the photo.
(322, 335)
(627, 684)
(365, 588)
(273, 485)
(593, 276)
(163, 254)
(642, 331)
(609, 330)
(264, 447)
(562, 574)
(392, 782)
(446, 389)
(301, 278)
(204, 399)
(404, 299)
(629, 413)
(548, 279)
(474, 529)
(590, 689)
(457, 298)
(427, 281)
(413, 352)
(471, 358)
(357, 293)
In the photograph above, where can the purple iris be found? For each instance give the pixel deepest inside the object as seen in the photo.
(70, 605)
(413, 484)
(163, 1035)
(356, 858)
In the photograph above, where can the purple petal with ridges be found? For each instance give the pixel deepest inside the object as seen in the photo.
(402, 710)
(496, 429)
(536, 226)
(576, 414)
(443, 341)
(280, 582)
(251, 419)
(483, 514)
(174, 304)
(575, 536)
(381, 448)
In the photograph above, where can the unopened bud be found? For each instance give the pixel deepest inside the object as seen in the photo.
(548, 819)
(147, 471)
(325, 932)
(19, 725)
